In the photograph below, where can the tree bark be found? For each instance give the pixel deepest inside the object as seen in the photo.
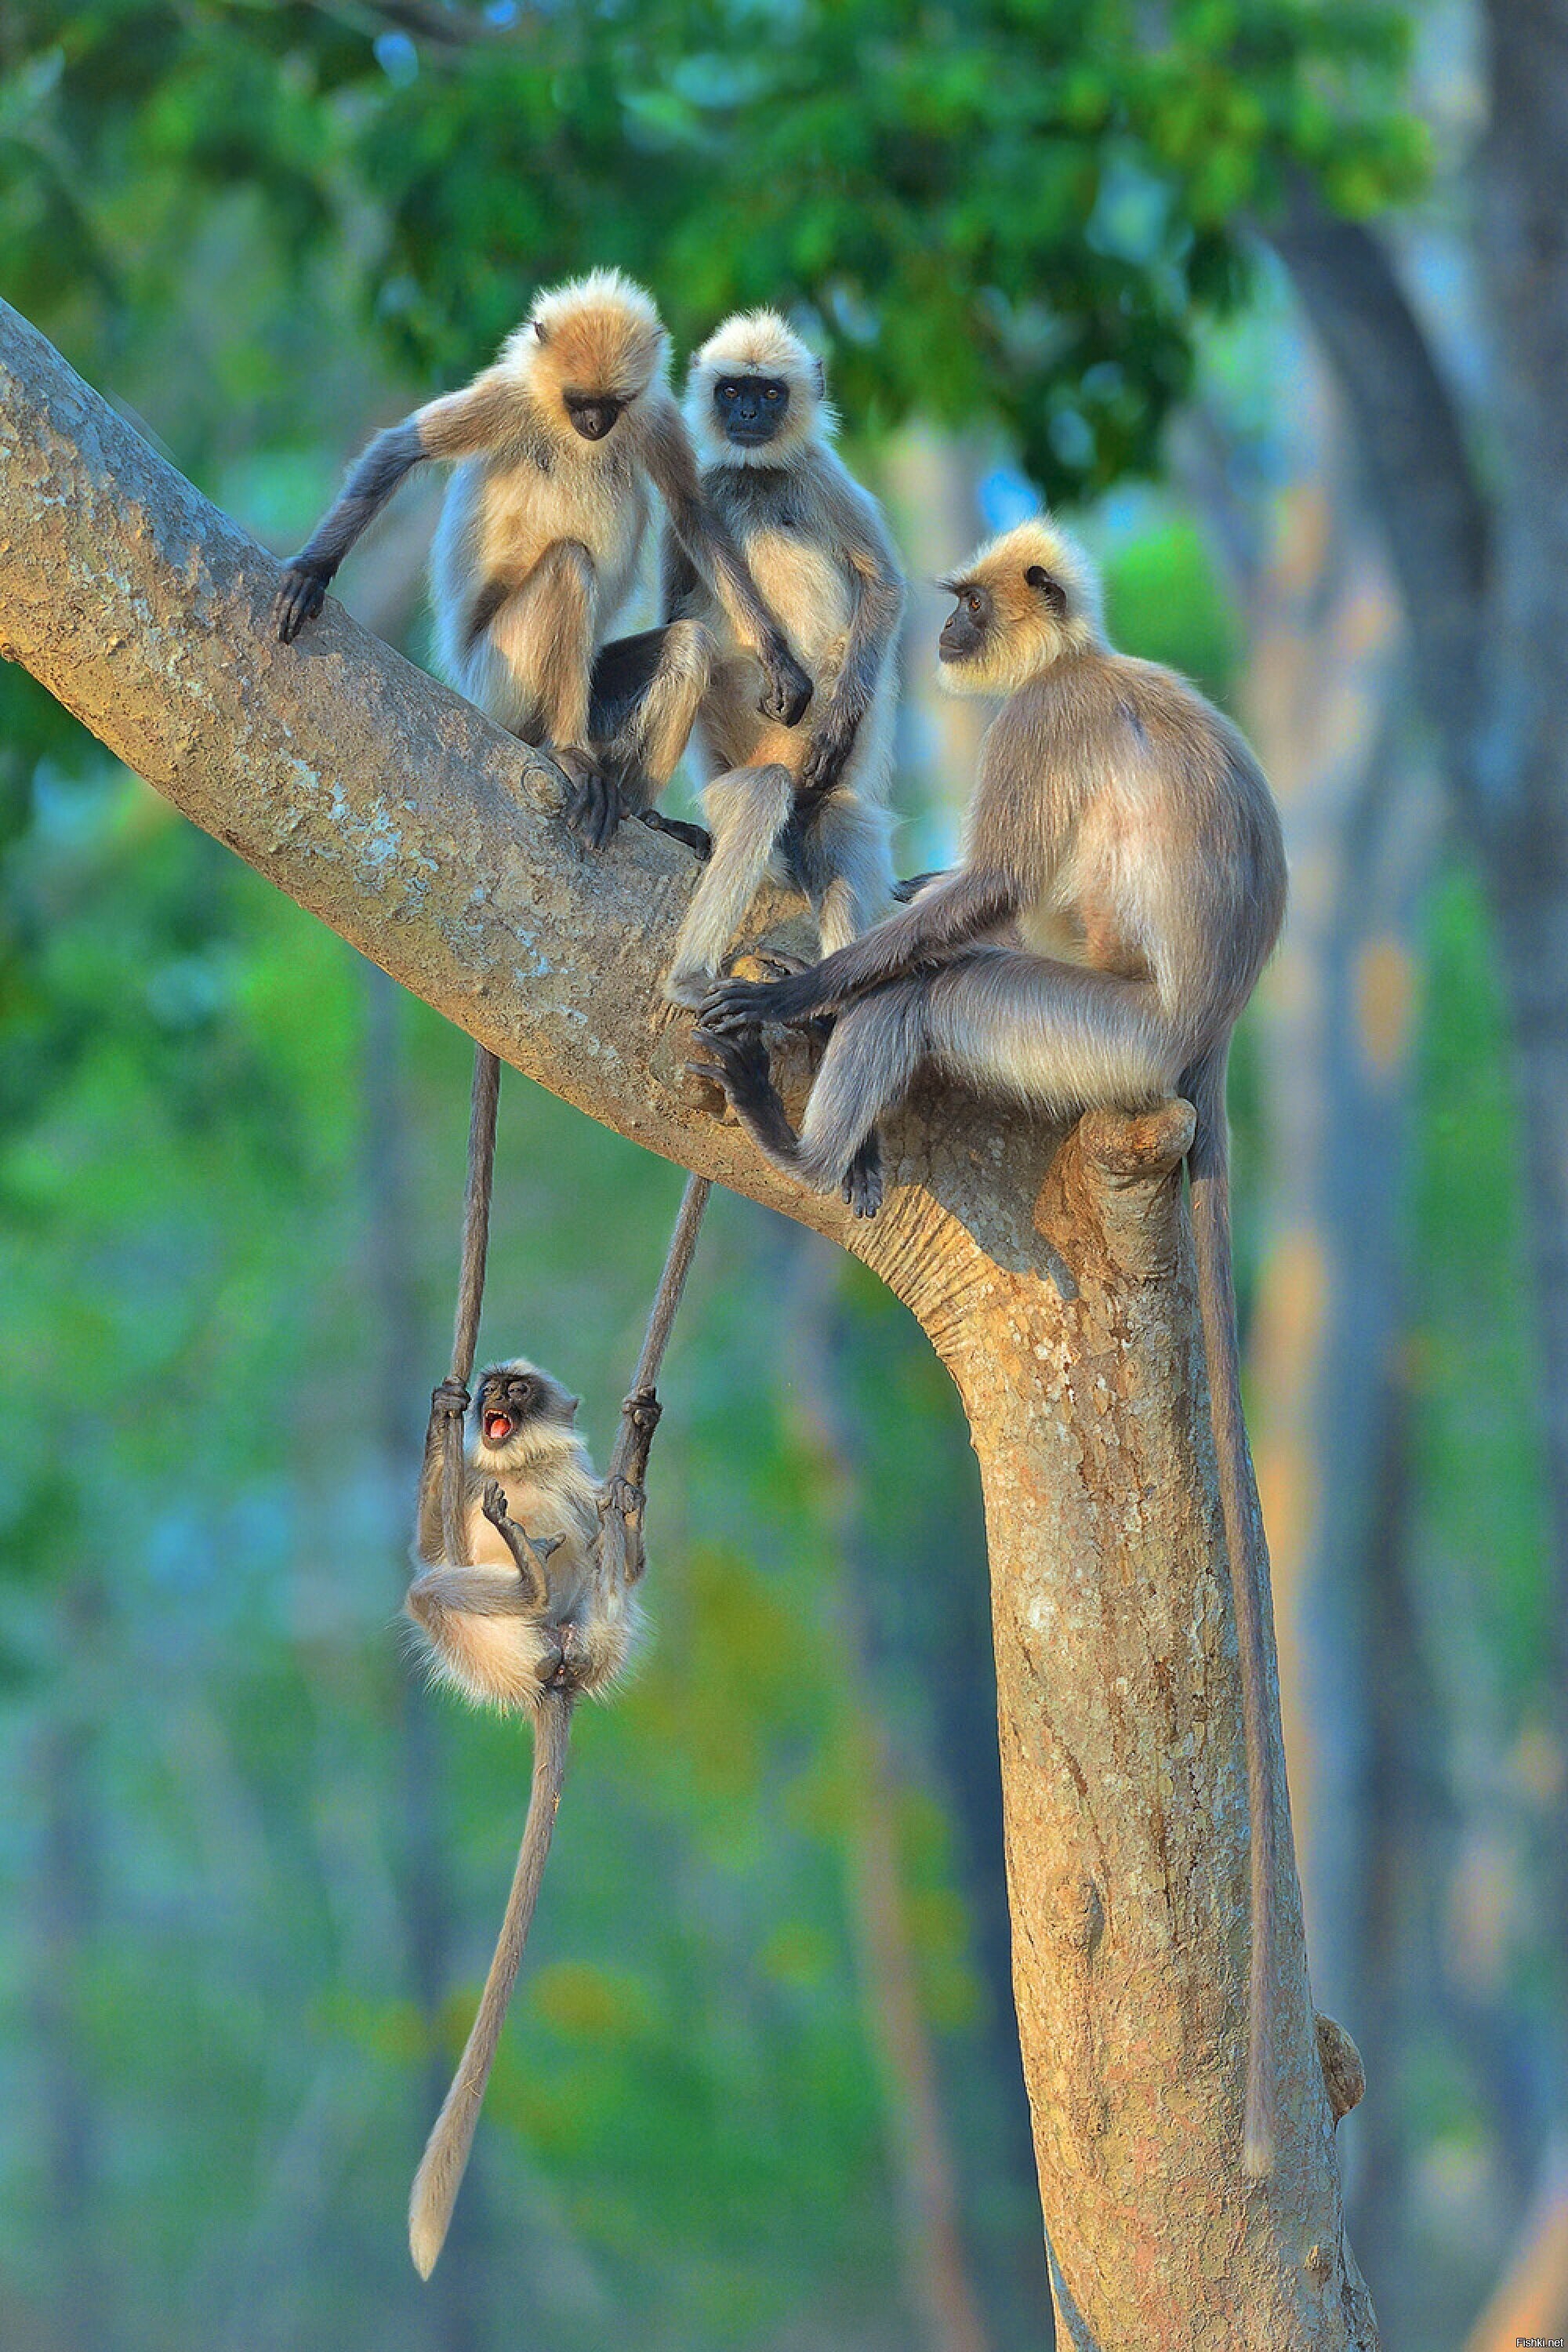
(1053, 1275)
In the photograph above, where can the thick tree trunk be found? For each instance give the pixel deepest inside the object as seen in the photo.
(1054, 1278)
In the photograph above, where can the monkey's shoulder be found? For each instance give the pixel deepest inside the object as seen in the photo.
(1117, 706)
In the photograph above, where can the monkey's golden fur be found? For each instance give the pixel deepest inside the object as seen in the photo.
(1032, 636)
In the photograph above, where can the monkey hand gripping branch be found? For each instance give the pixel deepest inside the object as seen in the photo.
(527, 1599)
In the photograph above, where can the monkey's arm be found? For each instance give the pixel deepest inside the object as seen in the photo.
(946, 918)
(679, 579)
(460, 425)
(449, 1402)
(711, 549)
(531, 1556)
(880, 606)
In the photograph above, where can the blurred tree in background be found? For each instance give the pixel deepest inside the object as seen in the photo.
(247, 1861)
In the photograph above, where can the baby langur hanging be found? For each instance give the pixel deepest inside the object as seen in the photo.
(527, 1599)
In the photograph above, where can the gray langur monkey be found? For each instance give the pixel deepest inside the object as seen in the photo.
(531, 1622)
(809, 800)
(1123, 830)
(541, 537)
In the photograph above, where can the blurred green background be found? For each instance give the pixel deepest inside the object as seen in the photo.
(761, 2087)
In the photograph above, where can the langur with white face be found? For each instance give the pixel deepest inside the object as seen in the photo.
(1122, 886)
(806, 800)
(557, 448)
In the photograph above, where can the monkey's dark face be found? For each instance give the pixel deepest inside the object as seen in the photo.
(593, 414)
(508, 1401)
(751, 408)
(969, 625)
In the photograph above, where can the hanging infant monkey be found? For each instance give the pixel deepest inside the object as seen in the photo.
(808, 800)
(526, 1599)
(557, 447)
(1122, 829)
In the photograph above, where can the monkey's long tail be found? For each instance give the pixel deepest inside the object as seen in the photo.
(1208, 1166)
(446, 2157)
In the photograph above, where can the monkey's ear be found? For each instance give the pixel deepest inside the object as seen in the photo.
(1055, 594)
(572, 1404)
(820, 375)
(538, 330)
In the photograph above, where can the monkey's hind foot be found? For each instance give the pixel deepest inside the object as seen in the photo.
(686, 986)
(739, 1063)
(299, 600)
(863, 1185)
(593, 809)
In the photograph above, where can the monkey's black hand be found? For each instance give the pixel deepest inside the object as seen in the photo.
(832, 741)
(786, 689)
(696, 837)
(739, 1064)
(643, 1409)
(450, 1400)
(904, 891)
(493, 1502)
(301, 598)
(733, 1005)
(593, 809)
(627, 1499)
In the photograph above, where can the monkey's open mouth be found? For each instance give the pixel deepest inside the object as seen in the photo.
(498, 1427)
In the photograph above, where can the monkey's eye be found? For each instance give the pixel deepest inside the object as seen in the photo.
(771, 393)
(973, 603)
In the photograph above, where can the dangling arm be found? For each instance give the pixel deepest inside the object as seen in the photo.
(946, 918)
(460, 425)
(878, 608)
(448, 1403)
(709, 547)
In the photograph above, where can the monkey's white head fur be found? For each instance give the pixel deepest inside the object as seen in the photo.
(600, 334)
(538, 1414)
(1041, 593)
(758, 343)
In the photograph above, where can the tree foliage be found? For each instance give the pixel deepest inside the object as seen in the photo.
(1013, 209)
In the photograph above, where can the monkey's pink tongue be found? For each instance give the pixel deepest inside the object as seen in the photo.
(497, 1426)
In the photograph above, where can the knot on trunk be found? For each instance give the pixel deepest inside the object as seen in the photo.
(1113, 1191)
(1345, 2076)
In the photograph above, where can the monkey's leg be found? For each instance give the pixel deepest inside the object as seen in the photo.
(878, 1044)
(1056, 1036)
(747, 810)
(468, 1592)
(843, 863)
(528, 668)
(646, 692)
